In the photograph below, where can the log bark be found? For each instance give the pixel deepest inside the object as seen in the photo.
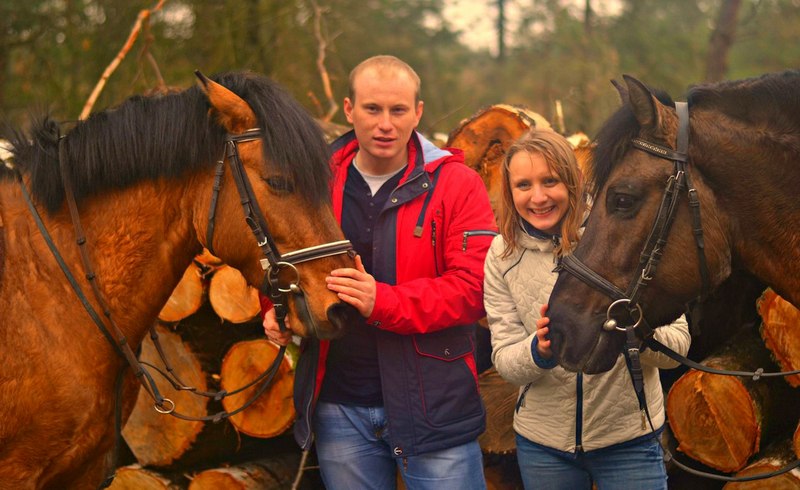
(231, 297)
(773, 458)
(134, 477)
(780, 329)
(273, 412)
(154, 438)
(499, 397)
(186, 298)
(485, 138)
(266, 474)
(721, 420)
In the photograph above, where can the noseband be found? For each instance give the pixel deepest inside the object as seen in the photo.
(653, 249)
(273, 262)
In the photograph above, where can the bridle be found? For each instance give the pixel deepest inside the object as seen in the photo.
(649, 259)
(656, 241)
(273, 262)
(272, 286)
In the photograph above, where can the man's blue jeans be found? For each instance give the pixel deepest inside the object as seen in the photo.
(634, 465)
(354, 453)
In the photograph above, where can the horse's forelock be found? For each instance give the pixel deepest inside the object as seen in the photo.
(293, 141)
(613, 140)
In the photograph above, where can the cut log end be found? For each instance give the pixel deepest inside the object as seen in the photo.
(231, 297)
(714, 420)
(273, 412)
(186, 298)
(780, 329)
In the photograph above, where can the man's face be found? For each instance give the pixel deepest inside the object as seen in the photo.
(383, 114)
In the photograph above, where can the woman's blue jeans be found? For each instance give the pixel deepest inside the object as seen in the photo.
(634, 465)
(354, 453)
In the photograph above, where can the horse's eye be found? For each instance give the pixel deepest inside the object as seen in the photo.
(623, 202)
(280, 184)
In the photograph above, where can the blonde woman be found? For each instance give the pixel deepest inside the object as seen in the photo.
(572, 429)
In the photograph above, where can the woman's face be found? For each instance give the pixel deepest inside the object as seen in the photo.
(539, 196)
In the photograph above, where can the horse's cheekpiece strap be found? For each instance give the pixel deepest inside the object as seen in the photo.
(658, 150)
(247, 135)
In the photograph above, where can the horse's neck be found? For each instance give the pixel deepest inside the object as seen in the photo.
(139, 241)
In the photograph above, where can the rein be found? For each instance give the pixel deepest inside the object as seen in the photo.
(648, 262)
(271, 286)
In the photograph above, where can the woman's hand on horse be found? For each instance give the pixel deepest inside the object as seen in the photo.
(355, 287)
(273, 330)
(542, 331)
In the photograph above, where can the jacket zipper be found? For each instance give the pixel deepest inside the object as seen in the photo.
(433, 244)
(470, 233)
(579, 414)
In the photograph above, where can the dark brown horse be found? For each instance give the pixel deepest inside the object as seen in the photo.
(744, 163)
(142, 175)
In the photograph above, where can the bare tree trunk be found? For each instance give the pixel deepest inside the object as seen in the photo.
(722, 39)
(501, 30)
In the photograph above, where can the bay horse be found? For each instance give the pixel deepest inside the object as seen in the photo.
(735, 146)
(143, 179)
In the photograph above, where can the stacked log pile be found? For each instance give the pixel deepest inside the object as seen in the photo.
(211, 337)
(738, 425)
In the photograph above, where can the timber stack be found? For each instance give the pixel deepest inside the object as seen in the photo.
(211, 338)
(740, 425)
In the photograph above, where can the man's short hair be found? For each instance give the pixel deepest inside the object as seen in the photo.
(383, 63)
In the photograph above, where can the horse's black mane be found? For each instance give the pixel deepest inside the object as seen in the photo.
(773, 100)
(166, 136)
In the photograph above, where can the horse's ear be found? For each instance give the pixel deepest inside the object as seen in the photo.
(622, 89)
(645, 106)
(233, 113)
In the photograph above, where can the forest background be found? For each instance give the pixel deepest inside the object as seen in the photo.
(541, 54)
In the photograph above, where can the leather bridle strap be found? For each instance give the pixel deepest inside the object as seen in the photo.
(754, 375)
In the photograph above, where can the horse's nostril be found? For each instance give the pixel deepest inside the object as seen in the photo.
(341, 315)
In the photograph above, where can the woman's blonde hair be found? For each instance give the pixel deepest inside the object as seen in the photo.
(559, 155)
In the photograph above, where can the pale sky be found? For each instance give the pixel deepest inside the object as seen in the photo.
(477, 19)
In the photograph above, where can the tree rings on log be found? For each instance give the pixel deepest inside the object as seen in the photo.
(273, 412)
(714, 419)
(780, 329)
(717, 419)
(186, 298)
(486, 136)
(231, 297)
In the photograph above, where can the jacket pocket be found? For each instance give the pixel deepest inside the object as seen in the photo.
(473, 233)
(445, 363)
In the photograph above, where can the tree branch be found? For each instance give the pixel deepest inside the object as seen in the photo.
(144, 16)
(322, 44)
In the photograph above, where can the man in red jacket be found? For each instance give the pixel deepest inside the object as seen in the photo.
(399, 392)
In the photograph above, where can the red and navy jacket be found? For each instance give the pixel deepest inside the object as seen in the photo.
(431, 239)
